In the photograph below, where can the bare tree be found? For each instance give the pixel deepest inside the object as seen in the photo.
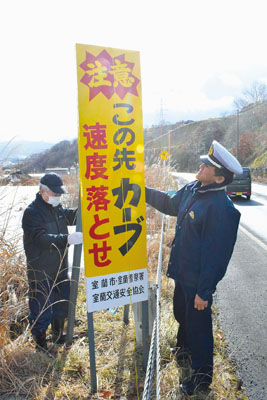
(257, 93)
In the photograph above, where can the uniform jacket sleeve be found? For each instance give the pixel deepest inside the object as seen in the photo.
(163, 202)
(218, 238)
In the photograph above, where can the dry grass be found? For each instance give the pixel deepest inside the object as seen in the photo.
(18, 179)
(13, 290)
(34, 375)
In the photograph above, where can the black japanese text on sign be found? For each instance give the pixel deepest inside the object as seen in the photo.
(111, 157)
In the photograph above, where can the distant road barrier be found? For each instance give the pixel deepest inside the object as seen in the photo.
(259, 172)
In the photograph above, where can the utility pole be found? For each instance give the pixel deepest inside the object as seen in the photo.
(237, 134)
(162, 121)
(170, 141)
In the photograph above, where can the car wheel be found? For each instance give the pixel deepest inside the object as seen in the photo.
(248, 196)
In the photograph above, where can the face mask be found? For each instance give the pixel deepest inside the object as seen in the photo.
(54, 201)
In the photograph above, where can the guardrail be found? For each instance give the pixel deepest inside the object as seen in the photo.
(259, 172)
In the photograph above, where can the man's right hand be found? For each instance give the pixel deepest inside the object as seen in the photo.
(75, 238)
(200, 304)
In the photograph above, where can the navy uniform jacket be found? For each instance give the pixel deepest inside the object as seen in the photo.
(206, 231)
(45, 239)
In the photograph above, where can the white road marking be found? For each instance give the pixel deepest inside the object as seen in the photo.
(252, 237)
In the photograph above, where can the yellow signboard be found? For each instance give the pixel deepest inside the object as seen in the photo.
(111, 158)
(164, 155)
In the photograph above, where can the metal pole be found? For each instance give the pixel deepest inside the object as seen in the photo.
(237, 134)
(126, 314)
(72, 306)
(145, 332)
(91, 342)
(75, 274)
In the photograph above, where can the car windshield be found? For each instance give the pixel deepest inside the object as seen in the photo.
(245, 175)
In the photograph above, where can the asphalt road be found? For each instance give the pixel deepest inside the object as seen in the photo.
(254, 211)
(241, 297)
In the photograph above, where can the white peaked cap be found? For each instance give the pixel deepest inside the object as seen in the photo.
(221, 158)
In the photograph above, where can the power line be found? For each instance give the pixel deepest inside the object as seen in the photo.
(251, 108)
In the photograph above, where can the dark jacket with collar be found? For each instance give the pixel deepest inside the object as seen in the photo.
(45, 239)
(206, 231)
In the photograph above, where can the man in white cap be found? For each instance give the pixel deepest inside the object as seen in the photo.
(46, 239)
(206, 231)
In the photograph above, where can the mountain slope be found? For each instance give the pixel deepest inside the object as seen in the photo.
(63, 154)
(15, 150)
(185, 141)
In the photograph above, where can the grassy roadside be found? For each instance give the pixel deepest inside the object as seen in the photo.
(34, 375)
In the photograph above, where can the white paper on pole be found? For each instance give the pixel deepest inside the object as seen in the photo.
(116, 289)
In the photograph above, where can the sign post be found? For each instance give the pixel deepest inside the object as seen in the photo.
(164, 155)
(75, 274)
(111, 158)
(91, 343)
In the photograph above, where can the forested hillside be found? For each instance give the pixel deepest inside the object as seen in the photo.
(185, 141)
(63, 154)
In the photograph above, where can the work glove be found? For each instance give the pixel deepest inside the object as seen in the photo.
(75, 238)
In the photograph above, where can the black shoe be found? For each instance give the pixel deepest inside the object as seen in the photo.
(194, 385)
(40, 341)
(60, 339)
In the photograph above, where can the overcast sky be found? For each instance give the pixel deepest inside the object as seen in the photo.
(196, 57)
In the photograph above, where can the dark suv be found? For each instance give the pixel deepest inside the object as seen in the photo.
(241, 184)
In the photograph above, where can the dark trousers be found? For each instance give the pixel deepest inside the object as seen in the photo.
(195, 330)
(47, 300)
